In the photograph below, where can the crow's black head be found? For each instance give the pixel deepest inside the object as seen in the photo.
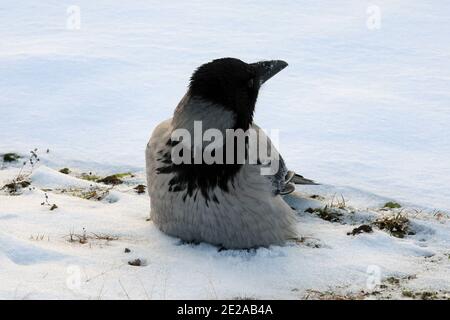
(233, 84)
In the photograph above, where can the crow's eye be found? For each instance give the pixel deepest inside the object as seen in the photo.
(250, 83)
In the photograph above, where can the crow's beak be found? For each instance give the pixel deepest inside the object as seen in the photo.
(267, 69)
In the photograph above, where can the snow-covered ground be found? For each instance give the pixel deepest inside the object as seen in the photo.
(364, 111)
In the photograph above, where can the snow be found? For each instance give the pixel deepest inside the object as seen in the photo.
(35, 243)
(365, 112)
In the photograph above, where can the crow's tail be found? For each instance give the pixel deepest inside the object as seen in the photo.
(298, 179)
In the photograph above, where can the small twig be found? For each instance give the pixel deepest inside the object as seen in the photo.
(126, 293)
(143, 287)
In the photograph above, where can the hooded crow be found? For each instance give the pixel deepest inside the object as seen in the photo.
(230, 204)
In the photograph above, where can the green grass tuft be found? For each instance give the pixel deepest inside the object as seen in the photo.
(89, 177)
(397, 225)
(392, 205)
(10, 157)
(326, 213)
(65, 170)
(408, 294)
